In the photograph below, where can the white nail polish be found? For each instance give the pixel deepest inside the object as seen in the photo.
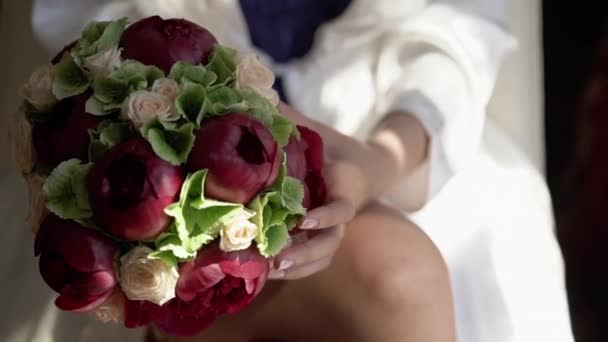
(285, 264)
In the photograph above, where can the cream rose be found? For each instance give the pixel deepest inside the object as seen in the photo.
(104, 62)
(167, 87)
(252, 74)
(38, 90)
(143, 106)
(238, 232)
(112, 310)
(142, 278)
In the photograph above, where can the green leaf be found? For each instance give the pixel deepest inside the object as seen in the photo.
(65, 190)
(223, 64)
(292, 195)
(223, 100)
(291, 221)
(277, 237)
(190, 102)
(114, 133)
(167, 256)
(197, 220)
(110, 90)
(177, 71)
(108, 134)
(95, 107)
(168, 141)
(69, 78)
(137, 75)
(279, 125)
(99, 36)
(258, 106)
(281, 129)
(198, 74)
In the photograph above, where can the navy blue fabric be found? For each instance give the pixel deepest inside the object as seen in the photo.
(285, 29)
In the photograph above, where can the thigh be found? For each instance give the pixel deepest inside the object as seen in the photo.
(378, 277)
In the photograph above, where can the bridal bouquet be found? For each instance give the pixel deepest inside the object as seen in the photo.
(162, 177)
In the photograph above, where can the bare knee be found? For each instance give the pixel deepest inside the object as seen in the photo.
(394, 262)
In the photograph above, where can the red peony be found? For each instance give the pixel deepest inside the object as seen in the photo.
(241, 155)
(66, 135)
(305, 162)
(129, 188)
(213, 284)
(76, 262)
(154, 41)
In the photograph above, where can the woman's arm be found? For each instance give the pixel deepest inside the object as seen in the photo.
(396, 148)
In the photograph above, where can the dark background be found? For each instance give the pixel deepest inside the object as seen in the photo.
(576, 108)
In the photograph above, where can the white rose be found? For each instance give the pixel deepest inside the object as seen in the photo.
(112, 310)
(143, 106)
(104, 62)
(38, 90)
(252, 74)
(270, 94)
(167, 87)
(142, 278)
(238, 232)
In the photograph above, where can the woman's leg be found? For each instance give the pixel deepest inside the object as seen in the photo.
(388, 282)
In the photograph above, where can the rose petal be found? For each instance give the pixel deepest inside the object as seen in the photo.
(67, 303)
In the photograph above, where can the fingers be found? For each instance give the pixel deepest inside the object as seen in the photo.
(308, 270)
(347, 188)
(321, 246)
(337, 212)
(293, 114)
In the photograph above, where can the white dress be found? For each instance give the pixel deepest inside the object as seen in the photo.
(489, 213)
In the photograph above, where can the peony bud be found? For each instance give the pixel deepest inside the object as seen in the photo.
(76, 262)
(66, 135)
(129, 188)
(154, 41)
(241, 155)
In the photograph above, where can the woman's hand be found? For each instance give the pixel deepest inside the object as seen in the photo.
(324, 226)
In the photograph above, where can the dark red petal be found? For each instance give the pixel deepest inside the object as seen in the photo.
(184, 319)
(54, 271)
(154, 41)
(141, 313)
(296, 158)
(240, 154)
(129, 187)
(318, 189)
(92, 284)
(192, 281)
(314, 150)
(67, 303)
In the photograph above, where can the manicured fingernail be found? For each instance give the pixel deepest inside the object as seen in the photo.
(309, 223)
(285, 264)
(276, 274)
